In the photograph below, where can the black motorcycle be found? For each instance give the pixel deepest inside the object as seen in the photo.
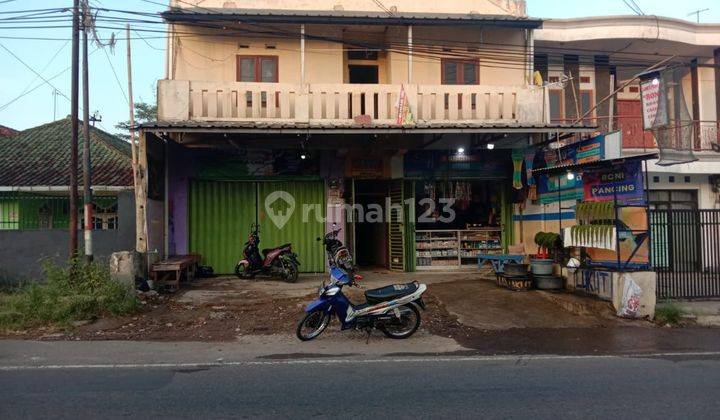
(337, 254)
(275, 262)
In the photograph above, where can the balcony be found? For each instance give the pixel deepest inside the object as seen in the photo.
(344, 105)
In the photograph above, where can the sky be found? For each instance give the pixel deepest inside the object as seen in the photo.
(27, 101)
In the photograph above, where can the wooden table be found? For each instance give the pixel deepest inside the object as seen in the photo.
(175, 269)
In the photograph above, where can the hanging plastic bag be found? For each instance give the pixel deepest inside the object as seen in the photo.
(630, 303)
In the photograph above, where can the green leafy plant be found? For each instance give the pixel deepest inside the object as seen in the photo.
(80, 291)
(668, 314)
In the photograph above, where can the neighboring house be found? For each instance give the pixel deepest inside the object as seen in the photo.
(342, 102)
(7, 131)
(604, 52)
(34, 204)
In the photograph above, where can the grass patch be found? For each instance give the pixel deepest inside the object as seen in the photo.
(668, 314)
(80, 291)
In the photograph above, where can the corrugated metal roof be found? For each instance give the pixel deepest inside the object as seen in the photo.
(347, 16)
(330, 127)
(574, 167)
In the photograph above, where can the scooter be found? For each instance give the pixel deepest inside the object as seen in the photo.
(391, 309)
(275, 262)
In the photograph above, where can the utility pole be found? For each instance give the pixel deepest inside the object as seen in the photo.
(87, 170)
(75, 57)
(139, 159)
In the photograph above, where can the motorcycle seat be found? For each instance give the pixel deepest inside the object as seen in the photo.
(268, 250)
(395, 291)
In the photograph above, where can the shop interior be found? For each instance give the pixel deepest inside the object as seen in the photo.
(442, 242)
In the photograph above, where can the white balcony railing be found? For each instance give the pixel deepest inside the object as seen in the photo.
(340, 104)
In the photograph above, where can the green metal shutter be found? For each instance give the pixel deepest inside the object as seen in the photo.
(220, 217)
(301, 230)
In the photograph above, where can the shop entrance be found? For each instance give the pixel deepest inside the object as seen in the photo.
(371, 228)
(458, 219)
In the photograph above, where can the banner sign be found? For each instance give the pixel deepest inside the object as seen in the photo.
(552, 189)
(430, 164)
(624, 181)
(404, 113)
(654, 110)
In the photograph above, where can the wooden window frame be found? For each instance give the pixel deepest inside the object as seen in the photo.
(461, 71)
(258, 67)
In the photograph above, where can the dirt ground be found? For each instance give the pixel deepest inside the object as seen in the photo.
(225, 309)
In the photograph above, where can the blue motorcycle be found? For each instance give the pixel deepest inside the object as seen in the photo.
(391, 309)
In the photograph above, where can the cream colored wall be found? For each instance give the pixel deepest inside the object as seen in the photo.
(200, 55)
(496, 7)
(213, 58)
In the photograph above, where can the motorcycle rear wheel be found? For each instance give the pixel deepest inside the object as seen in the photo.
(405, 326)
(290, 272)
(315, 322)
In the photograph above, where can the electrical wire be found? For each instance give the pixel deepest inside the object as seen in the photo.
(117, 79)
(484, 45)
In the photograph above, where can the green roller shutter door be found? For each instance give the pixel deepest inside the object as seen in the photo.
(301, 230)
(221, 213)
(220, 217)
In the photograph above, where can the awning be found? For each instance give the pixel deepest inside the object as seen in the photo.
(208, 14)
(350, 128)
(589, 166)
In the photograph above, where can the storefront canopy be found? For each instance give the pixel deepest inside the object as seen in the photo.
(321, 128)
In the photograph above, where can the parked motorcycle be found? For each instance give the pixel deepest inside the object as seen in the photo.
(392, 309)
(275, 262)
(337, 254)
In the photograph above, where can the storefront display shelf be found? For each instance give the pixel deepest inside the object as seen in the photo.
(453, 249)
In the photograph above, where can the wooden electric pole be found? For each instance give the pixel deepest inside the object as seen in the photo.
(87, 174)
(75, 57)
(139, 159)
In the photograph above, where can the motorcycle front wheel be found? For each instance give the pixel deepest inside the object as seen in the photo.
(403, 324)
(242, 271)
(312, 325)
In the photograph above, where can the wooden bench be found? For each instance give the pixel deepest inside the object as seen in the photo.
(171, 271)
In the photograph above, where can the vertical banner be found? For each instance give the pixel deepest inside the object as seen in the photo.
(404, 113)
(654, 110)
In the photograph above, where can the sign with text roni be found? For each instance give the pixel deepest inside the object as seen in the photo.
(623, 181)
(654, 112)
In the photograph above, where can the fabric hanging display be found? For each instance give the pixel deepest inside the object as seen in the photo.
(518, 156)
(529, 162)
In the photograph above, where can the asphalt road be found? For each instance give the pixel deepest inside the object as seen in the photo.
(457, 387)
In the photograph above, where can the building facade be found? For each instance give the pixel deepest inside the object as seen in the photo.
(345, 105)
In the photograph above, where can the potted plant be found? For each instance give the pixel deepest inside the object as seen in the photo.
(543, 263)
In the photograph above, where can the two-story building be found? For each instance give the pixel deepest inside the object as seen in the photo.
(607, 51)
(289, 113)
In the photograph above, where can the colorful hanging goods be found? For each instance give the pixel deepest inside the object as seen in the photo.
(529, 162)
(518, 156)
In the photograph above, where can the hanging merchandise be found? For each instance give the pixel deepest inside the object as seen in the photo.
(529, 162)
(518, 156)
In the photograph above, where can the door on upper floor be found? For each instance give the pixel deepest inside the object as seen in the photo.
(630, 122)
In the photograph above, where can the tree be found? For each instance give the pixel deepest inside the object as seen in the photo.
(144, 112)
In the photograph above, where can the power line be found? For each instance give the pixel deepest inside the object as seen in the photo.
(33, 70)
(117, 79)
